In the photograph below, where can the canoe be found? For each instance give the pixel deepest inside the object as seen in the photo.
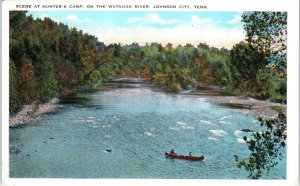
(191, 158)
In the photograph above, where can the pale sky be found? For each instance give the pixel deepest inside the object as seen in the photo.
(218, 29)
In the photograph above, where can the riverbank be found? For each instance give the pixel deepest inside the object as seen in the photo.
(248, 105)
(31, 114)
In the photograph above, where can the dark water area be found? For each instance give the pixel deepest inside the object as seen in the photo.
(124, 132)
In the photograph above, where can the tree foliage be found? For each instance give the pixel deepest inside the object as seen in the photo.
(59, 61)
(259, 65)
(267, 31)
(27, 82)
(266, 147)
(263, 61)
(13, 87)
(247, 62)
(49, 59)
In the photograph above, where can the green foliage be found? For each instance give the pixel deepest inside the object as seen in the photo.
(181, 67)
(260, 69)
(49, 59)
(267, 31)
(264, 86)
(14, 102)
(270, 86)
(266, 147)
(219, 63)
(279, 93)
(64, 60)
(173, 68)
(46, 77)
(259, 66)
(214, 67)
(17, 22)
(246, 63)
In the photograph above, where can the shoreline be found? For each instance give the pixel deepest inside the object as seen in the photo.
(248, 105)
(31, 114)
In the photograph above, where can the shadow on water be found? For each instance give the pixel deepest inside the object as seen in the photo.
(83, 97)
(83, 101)
(74, 99)
(237, 105)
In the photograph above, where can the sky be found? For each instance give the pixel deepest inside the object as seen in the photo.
(218, 29)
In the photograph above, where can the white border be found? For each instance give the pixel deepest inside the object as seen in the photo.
(291, 6)
(213, 5)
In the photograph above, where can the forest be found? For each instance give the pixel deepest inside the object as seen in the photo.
(49, 59)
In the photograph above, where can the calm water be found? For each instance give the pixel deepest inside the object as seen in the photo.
(138, 125)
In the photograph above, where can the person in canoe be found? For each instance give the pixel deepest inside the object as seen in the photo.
(190, 154)
(173, 152)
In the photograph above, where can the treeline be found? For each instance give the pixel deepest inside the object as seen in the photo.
(49, 59)
(172, 68)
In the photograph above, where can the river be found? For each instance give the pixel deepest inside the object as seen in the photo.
(125, 131)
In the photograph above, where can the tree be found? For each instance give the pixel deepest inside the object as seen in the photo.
(17, 22)
(265, 146)
(49, 59)
(246, 62)
(67, 78)
(267, 31)
(14, 102)
(47, 83)
(27, 82)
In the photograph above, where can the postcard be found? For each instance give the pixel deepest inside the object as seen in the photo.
(141, 93)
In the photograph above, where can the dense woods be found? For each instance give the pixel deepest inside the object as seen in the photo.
(49, 59)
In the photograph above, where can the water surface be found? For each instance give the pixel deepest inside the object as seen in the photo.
(124, 133)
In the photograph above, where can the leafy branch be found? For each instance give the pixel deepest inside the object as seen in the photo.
(265, 146)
